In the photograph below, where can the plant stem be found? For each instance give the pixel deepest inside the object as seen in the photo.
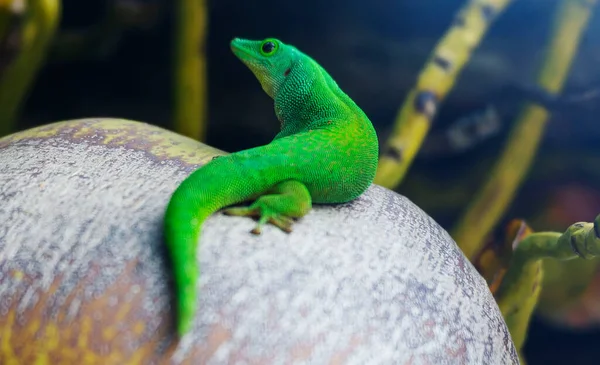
(496, 195)
(435, 80)
(40, 24)
(190, 116)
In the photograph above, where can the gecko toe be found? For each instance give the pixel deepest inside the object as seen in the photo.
(242, 212)
(282, 222)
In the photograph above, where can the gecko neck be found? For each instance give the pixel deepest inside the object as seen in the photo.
(308, 97)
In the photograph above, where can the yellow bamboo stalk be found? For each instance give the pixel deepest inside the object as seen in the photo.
(498, 192)
(435, 80)
(41, 20)
(190, 116)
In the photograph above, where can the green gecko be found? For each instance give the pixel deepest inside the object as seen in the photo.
(326, 152)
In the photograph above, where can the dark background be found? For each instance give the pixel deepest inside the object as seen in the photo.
(375, 51)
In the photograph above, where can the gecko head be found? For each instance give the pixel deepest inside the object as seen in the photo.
(270, 60)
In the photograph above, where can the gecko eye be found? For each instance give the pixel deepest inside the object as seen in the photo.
(269, 47)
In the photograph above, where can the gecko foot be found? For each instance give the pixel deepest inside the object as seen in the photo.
(284, 201)
(279, 220)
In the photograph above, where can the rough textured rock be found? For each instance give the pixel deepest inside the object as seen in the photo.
(83, 275)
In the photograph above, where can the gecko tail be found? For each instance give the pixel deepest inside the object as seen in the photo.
(182, 242)
(186, 278)
(216, 185)
(186, 212)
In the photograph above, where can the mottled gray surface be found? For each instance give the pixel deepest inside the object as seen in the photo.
(376, 281)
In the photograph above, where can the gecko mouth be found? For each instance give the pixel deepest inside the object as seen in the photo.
(240, 51)
(245, 55)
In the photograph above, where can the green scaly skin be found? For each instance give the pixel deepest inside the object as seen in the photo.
(326, 152)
